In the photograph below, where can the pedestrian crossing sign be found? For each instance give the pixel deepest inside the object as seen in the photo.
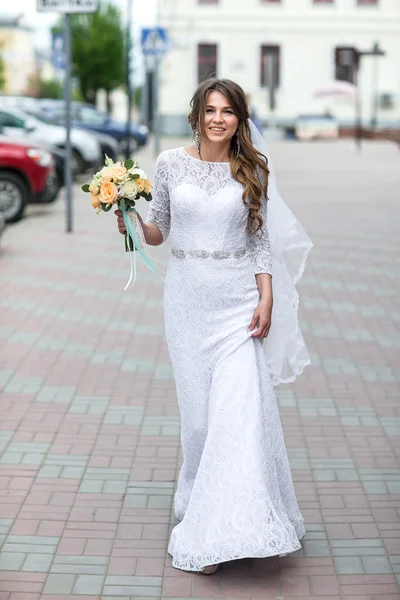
(154, 41)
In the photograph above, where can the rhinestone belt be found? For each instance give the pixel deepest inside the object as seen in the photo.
(218, 254)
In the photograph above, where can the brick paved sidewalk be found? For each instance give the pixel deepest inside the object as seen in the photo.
(90, 426)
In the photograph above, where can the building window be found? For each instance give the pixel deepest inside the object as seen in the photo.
(270, 65)
(207, 61)
(366, 2)
(346, 64)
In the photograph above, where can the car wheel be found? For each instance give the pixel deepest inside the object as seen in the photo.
(14, 194)
(133, 145)
(54, 188)
(77, 158)
(110, 152)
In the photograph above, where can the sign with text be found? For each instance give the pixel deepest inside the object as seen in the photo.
(68, 6)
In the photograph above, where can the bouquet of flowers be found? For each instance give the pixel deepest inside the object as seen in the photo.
(123, 183)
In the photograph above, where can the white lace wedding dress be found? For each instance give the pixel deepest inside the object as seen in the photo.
(235, 496)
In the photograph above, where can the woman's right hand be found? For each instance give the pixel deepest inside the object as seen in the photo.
(120, 222)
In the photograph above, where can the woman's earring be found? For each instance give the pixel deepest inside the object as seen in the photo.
(237, 144)
(197, 140)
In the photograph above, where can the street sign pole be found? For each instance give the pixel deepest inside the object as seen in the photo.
(128, 80)
(156, 108)
(154, 45)
(67, 91)
(66, 7)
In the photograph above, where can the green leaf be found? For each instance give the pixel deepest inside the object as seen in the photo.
(106, 207)
(85, 187)
(135, 176)
(128, 164)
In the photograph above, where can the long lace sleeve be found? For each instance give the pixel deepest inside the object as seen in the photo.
(259, 247)
(159, 211)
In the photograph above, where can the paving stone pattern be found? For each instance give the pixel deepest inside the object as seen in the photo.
(90, 426)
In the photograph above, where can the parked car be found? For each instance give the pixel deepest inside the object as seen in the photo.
(88, 117)
(24, 103)
(108, 144)
(85, 147)
(27, 172)
(2, 223)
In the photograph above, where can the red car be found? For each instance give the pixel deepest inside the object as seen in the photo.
(27, 173)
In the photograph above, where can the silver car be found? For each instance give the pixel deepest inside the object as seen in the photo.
(18, 124)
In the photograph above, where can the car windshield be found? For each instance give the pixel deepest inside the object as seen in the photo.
(91, 115)
(39, 117)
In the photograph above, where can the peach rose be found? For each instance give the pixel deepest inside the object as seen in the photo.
(96, 203)
(109, 193)
(118, 171)
(140, 185)
(147, 186)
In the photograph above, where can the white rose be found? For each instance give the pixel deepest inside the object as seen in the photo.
(137, 171)
(130, 189)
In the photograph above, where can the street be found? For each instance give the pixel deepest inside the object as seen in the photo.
(90, 424)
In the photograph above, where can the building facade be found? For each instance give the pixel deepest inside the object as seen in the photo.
(17, 50)
(290, 42)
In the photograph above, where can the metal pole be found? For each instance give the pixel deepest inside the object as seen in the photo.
(358, 115)
(156, 115)
(128, 80)
(67, 91)
(375, 84)
(145, 94)
(156, 92)
(269, 78)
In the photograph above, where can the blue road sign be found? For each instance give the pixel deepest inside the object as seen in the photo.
(154, 41)
(58, 58)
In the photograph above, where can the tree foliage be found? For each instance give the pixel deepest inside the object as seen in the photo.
(50, 88)
(2, 70)
(98, 44)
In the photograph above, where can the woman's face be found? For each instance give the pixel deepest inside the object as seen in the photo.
(220, 122)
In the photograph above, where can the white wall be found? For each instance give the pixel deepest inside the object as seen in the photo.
(307, 35)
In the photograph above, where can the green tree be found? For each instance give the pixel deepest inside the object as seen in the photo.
(50, 88)
(2, 70)
(98, 51)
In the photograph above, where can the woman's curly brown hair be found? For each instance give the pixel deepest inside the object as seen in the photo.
(250, 168)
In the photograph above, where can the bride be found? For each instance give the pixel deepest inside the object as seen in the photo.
(237, 252)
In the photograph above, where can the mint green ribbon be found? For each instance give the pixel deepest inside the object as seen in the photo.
(137, 247)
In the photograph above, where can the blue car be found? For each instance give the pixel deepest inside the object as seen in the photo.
(88, 117)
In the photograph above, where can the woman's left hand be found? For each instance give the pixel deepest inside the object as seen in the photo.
(262, 318)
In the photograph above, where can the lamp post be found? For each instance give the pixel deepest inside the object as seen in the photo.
(376, 51)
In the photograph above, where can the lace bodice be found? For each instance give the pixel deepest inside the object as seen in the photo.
(199, 204)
